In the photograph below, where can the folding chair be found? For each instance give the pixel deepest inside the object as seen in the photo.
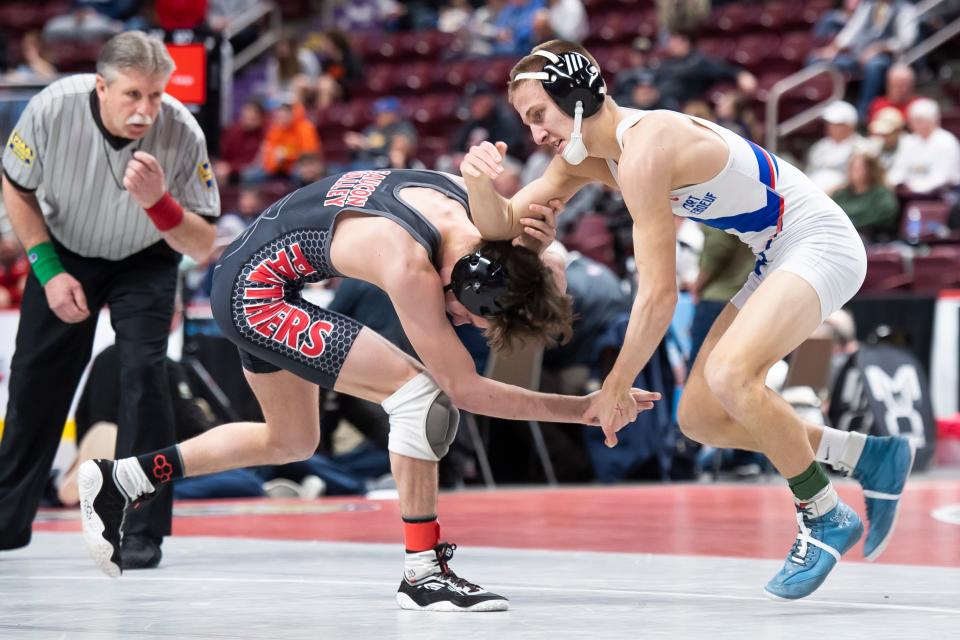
(521, 368)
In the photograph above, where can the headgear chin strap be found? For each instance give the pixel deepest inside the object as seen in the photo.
(576, 86)
(478, 282)
(576, 152)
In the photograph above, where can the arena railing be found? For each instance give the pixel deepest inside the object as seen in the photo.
(232, 61)
(776, 130)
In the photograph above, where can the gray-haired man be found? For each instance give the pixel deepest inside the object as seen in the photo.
(106, 181)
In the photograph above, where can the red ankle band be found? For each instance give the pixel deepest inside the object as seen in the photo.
(420, 536)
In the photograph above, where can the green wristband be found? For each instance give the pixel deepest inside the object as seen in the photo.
(45, 262)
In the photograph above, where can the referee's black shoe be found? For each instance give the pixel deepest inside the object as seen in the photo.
(441, 589)
(102, 507)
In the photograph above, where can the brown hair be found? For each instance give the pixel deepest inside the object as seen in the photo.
(533, 62)
(534, 307)
(875, 173)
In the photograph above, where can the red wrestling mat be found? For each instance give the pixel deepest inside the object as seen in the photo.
(746, 521)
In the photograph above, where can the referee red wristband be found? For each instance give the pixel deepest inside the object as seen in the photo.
(166, 213)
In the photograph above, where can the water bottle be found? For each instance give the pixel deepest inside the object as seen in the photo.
(914, 225)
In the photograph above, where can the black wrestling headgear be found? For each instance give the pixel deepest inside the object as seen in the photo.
(569, 78)
(478, 282)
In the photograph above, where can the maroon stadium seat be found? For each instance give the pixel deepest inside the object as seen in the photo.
(18, 17)
(796, 45)
(753, 50)
(229, 197)
(419, 76)
(438, 107)
(496, 71)
(885, 272)
(950, 120)
(273, 190)
(55, 8)
(720, 46)
(295, 9)
(460, 73)
(936, 271)
(383, 78)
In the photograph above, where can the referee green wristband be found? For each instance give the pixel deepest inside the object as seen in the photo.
(45, 262)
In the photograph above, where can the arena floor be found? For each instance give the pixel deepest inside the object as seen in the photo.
(652, 561)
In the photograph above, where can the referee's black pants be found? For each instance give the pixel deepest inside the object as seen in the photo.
(49, 360)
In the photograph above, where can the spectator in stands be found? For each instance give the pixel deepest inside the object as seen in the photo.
(638, 66)
(699, 108)
(249, 204)
(928, 158)
(364, 15)
(901, 82)
(13, 272)
(878, 31)
(241, 143)
(489, 119)
(686, 74)
(508, 182)
(689, 245)
(36, 63)
(682, 15)
(828, 158)
(598, 300)
(340, 68)
(309, 168)
(291, 69)
(402, 154)
(90, 20)
(198, 281)
(646, 95)
(536, 165)
(733, 112)
(564, 19)
(454, 16)
(482, 33)
(371, 147)
(724, 265)
(289, 136)
(414, 15)
(833, 21)
(885, 132)
(515, 24)
(866, 199)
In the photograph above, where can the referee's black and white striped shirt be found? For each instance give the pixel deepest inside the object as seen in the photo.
(60, 149)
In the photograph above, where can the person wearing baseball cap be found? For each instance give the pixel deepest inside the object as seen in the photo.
(885, 131)
(828, 158)
(371, 147)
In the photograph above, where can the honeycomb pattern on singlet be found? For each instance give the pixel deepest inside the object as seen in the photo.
(312, 244)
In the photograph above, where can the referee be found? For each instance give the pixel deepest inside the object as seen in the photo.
(106, 181)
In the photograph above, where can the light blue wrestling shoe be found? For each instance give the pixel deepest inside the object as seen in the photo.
(819, 545)
(882, 471)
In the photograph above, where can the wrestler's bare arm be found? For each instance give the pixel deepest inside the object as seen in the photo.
(498, 218)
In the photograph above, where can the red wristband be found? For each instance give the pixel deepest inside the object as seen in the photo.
(166, 213)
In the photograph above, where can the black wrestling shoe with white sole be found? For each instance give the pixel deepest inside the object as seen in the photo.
(102, 506)
(443, 590)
